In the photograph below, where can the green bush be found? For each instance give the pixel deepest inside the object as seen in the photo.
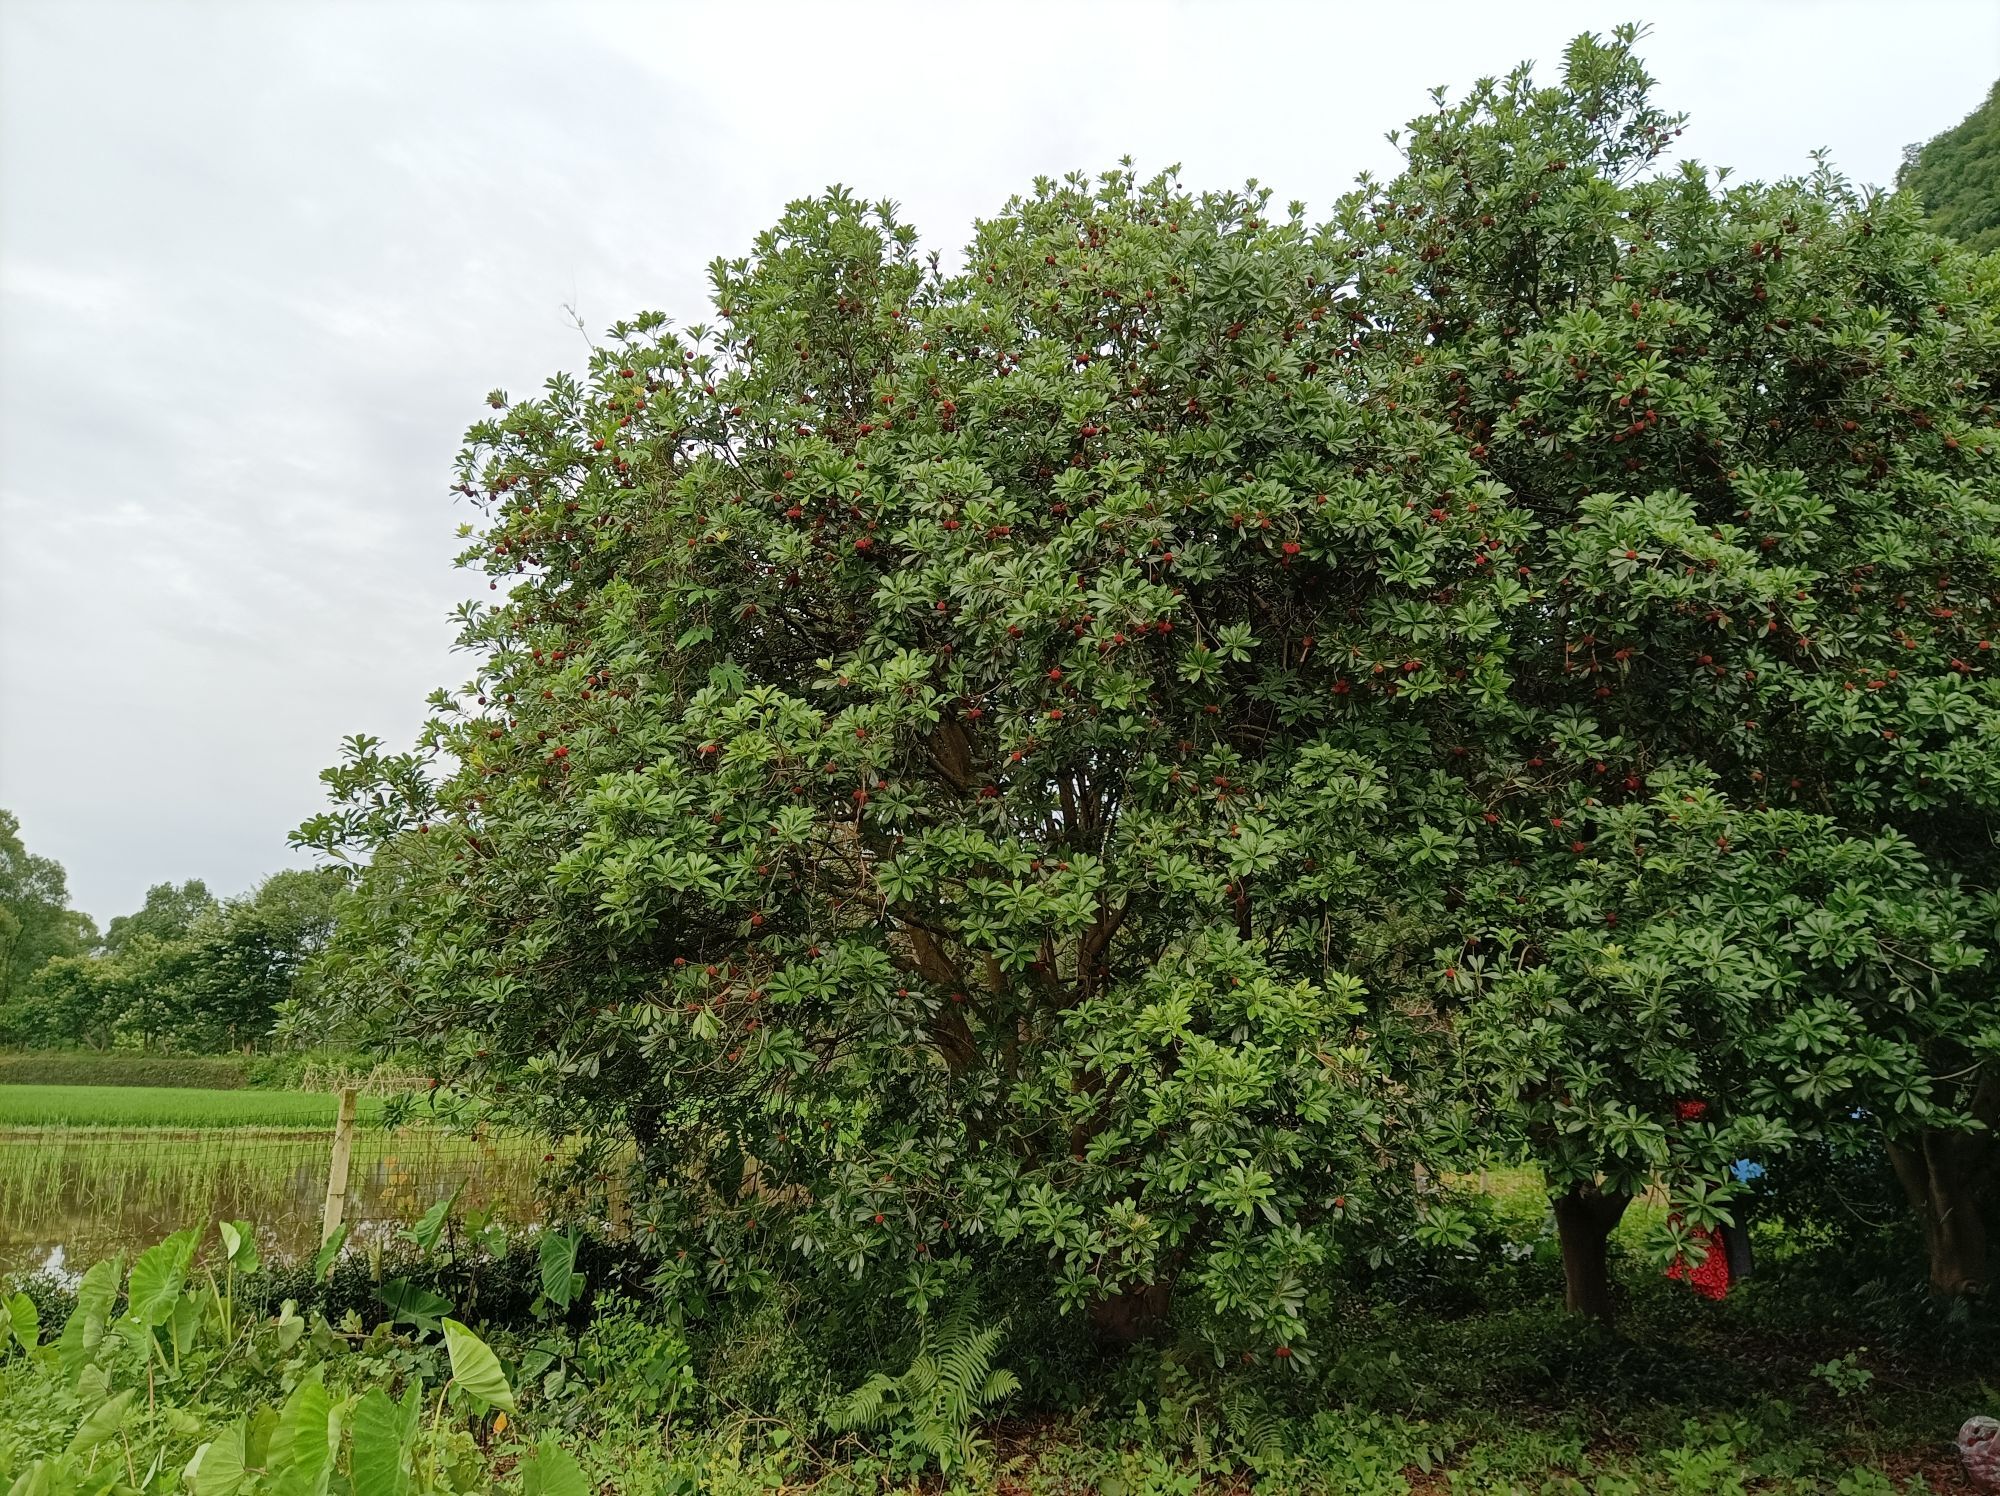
(76, 1067)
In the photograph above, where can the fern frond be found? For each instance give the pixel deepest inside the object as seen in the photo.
(921, 1379)
(941, 1395)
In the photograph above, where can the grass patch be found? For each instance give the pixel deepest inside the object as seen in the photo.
(82, 1067)
(167, 1106)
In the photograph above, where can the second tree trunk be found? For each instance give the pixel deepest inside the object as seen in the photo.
(1585, 1218)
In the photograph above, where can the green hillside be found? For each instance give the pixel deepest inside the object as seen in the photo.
(1957, 174)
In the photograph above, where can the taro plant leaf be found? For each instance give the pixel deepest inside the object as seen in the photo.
(239, 1242)
(217, 1468)
(383, 1432)
(551, 1471)
(83, 1331)
(290, 1325)
(99, 1290)
(158, 1276)
(328, 1252)
(301, 1449)
(104, 1421)
(257, 1435)
(431, 1225)
(184, 1324)
(475, 1368)
(418, 1305)
(561, 1282)
(24, 1321)
(37, 1480)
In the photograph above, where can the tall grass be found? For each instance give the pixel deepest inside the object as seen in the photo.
(87, 1193)
(166, 1106)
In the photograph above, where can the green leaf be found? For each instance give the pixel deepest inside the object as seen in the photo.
(184, 1323)
(85, 1329)
(290, 1324)
(24, 1321)
(552, 1471)
(561, 1282)
(257, 1435)
(418, 1305)
(217, 1468)
(383, 1431)
(99, 1289)
(431, 1225)
(302, 1444)
(239, 1241)
(328, 1253)
(475, 1368)
(103, 1422)
(158, 1277)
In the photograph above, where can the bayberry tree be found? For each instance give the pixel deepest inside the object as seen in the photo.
(972, 770)
(952, 776)
(1753, 431)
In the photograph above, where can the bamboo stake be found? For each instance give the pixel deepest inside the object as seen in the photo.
(336, 1174)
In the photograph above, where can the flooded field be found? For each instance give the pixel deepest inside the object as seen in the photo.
(71, 1195)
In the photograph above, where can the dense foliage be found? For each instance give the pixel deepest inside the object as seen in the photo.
(186, 971)
(1120, 765)
(199, 1367)
(36, 922)
(1956, 176)
(1755, 431)
(945, 845)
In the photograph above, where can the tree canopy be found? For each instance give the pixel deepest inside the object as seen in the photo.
(1122, 762)
(36, 922)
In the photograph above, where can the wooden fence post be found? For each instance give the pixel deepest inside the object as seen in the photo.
(336, 1174)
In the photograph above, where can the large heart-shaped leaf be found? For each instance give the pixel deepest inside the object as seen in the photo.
(430, 1226)
(217, 1468)
(83, 1331)
(104, 1421)
(475, 1368)
(383, 1432)
(25, 1323)
(239, 1243)
(301, 1446)
(329, 1253)
(158, 1276)
(99, 1289)
(553, 1471)
(561, 1282)
(419, 1306)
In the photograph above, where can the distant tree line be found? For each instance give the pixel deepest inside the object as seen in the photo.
(186, 971)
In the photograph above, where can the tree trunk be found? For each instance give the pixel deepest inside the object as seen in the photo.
(1585, 1218)
(1132, 1314)
(1945, 1175)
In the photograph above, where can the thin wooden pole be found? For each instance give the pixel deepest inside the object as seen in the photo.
(336, 1174)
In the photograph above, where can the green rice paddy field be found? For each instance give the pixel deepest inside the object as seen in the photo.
(167, 1106)
(89, 1170)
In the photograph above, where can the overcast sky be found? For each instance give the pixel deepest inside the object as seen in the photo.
(259, 263)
